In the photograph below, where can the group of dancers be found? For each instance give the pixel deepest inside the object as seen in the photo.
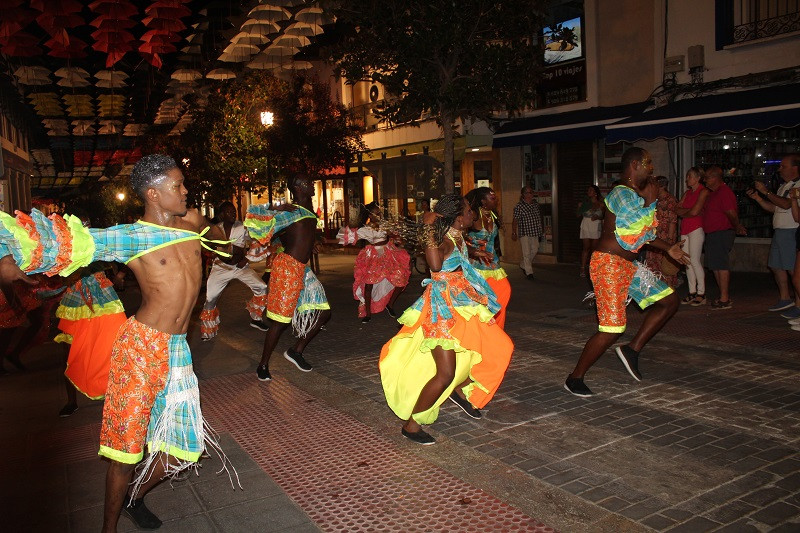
(452, 344)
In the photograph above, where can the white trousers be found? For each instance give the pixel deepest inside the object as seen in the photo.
(222, 274)
(693, 245)
(530, 247)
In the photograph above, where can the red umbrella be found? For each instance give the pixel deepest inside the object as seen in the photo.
(59, 7)
(104, 21)
(153, 59)
(16, 49)
(75, 48)
(171, 12)
(160, 37)
(157, 48)
(81, 158)
(115, 9)
(172, 25)
(14, 20)
(112, 35)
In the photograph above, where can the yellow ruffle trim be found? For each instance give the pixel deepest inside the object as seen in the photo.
(83, 312)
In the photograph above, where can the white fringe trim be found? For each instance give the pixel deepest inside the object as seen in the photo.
(165, 426)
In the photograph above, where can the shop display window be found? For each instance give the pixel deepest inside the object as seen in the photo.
(745, 158)
(537, 169)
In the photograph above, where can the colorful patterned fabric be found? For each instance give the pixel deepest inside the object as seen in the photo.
(91, 296)
(452, 313)
(635, 223)
(91, 314)
(152, 396)
(385, 268)
(264, 223)
(617, 281)
(477, 297)
(57, 245)
(293, 290)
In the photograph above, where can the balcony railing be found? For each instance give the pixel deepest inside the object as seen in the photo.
(759, 19)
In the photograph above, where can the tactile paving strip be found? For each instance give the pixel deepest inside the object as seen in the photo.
(344, 475)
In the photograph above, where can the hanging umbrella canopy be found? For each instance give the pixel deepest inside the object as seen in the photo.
(33, 75)
(269, 13)
(249, 38)
(288, 41)
(186, 74)
(76, 48)
(111, 75)
(23, 44)
(114, 83)
(71, 72)
(259, 27)
(280, 51)
(303, 28)
(221, 74)
(314, 15)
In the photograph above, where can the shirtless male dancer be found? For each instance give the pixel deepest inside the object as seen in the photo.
(295, 294)
(150, 361)
(628, 225)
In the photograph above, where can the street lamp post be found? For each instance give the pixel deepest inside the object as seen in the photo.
(267, 120)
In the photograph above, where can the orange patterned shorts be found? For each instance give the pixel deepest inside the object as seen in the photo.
(139, 370)
(285, 285)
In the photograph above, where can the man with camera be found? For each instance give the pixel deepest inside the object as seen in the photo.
(782, 251)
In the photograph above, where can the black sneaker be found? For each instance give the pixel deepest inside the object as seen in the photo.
(420, 437)
(263, 373)
(67, 410)
(365, 320)
(259, 324)
(390, 311)
(629, 358)
(137, 511)
(577, 387)
(465, 406)
(297, 358)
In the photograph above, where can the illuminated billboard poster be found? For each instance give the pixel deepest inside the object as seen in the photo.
(563, 41)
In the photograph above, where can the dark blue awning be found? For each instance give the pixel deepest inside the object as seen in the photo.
(578, 125)
(735, 112)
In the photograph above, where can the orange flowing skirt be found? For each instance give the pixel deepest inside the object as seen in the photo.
(483, 353)
(90, 354)
(502, 289)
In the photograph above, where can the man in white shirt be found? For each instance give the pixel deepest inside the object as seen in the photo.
(782, 251)
(224, 270)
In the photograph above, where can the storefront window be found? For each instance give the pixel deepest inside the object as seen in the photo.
(745, 158)
(537, 170)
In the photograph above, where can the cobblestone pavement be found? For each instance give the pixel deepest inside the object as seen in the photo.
(708, 441)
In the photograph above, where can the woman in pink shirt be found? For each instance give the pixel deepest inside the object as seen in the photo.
(690, 208)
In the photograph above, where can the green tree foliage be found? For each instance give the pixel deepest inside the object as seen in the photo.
(229, 148)
(464, 59)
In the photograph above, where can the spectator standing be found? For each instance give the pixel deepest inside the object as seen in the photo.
(667, 231)
(591, 212)
(690, 208)
(528, 226)
(721, 224)
(782, 250)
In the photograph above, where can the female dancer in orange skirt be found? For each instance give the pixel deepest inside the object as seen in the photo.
(450, 345)
(91, 315)
(481, 237)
